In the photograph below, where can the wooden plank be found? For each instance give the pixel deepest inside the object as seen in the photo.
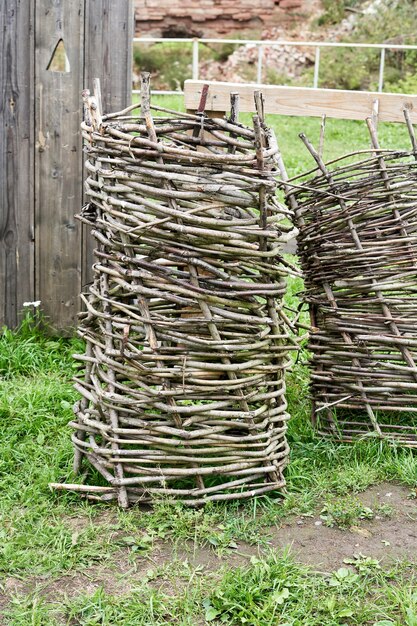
(304, 101)
(108, 22)
(58, 162)
(16, 160)
(108, 50)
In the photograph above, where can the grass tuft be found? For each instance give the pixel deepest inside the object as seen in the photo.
(30, 350)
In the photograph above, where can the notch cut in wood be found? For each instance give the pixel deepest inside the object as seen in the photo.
(59, 61)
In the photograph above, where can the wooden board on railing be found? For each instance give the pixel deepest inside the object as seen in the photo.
(304, 101)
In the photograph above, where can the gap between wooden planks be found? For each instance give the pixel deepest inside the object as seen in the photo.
(304, 101)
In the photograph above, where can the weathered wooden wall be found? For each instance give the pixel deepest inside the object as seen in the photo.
(109, 53)
(44, 253)
(16, 159)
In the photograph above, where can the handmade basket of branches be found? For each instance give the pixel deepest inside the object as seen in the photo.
(183, 394)
(358, 245)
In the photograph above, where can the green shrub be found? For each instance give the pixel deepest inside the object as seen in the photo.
(349, 68)
(335, 10)
(408, 84)
(343, 68)
(220, 51)
(168, 62)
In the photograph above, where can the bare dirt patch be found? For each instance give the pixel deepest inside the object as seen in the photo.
(383, 538)
(310, 540)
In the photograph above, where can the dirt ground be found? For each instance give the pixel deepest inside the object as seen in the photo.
(310, 541)
(381, 538)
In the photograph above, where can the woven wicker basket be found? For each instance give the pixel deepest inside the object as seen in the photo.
(358, 247)
(183, 394)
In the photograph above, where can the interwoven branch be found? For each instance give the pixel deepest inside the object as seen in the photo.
(358, 247)
(183, 393)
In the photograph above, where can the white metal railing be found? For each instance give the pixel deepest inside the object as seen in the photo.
(196, 42)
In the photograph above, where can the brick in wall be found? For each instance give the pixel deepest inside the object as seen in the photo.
(157, 17)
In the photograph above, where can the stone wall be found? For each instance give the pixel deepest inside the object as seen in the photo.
(199, 18)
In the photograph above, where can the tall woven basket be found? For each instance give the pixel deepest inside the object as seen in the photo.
(358, 246)
(183, 394)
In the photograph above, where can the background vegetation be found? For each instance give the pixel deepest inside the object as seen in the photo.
(343, 68)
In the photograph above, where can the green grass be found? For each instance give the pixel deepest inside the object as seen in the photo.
(270, 591)
(275, 590)
(31, 351)
(46, 535)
